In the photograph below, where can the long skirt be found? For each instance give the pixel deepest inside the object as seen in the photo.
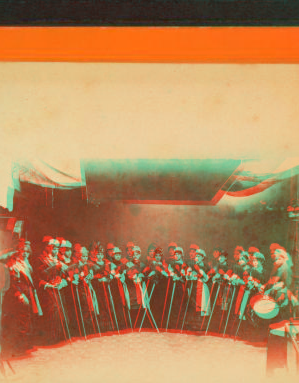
(17, 327)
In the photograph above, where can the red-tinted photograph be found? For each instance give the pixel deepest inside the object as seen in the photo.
(149, 222)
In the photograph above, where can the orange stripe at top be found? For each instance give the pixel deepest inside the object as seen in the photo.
(151, 44)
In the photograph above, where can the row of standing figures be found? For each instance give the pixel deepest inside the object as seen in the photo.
(51, 301)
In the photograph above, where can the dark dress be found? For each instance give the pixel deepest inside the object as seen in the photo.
(134, 291)
(18, 318)
(53, 328)
(176, 294)
(102, 289)
(83, 308)
(156, 287)
(118, 291)
(198, 309)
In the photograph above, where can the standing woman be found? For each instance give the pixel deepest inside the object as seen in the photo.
(157, 275)
(84, 305)
(150, 252)
(199, 305)
(50, 273)
(20, 304)
(99, 285)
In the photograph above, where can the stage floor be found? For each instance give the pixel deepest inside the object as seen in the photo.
(145, 357)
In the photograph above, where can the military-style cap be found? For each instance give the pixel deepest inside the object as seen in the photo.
(201, 252)
(259, 256)
(54, 242)
(110, 246)
(66, 244)
(179, 250)
(136, 249)
(194, 246)
(253, 249)
(172, 244)
(130, 244)
(116, 250)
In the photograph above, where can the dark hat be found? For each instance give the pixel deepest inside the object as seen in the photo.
(130, 244)
(110, 246)
(151, 246)
(172, 244)
(201, 252)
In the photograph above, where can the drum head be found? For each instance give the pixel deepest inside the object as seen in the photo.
(265, 307)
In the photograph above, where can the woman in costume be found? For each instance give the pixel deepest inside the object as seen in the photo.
(20, 304)
(199, 304)
(100, 285)
(51, 274)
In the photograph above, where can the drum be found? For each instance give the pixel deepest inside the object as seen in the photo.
(262, 309)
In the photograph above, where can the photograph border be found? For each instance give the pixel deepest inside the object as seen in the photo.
(150, 44)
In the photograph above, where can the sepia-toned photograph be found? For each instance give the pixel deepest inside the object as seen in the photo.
(149, 222)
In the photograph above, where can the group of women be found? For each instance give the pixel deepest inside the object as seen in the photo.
(68, 292)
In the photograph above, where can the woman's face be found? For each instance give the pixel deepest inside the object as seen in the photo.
(216, 254)
(158, 257)
(242, 261)
(151, 253)
(137, 254)
(117, 256)
(192, 253)
(25, 253)
(100, 256)
(199, 258)
(275, 255)
(55, 251)
(84, 258)
(177, 256)
(171, 251)
(237, 255)
(68, 253)
(222, 259)
(130, 252)
(110, 253)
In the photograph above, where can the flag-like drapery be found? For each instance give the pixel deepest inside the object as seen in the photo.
(250, 178)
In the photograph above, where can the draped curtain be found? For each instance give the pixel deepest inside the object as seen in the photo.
(250, 178)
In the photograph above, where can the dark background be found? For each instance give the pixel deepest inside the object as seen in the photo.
(149, 12)
(68, 214)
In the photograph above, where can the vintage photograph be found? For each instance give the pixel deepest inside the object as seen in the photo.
(149, 222)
